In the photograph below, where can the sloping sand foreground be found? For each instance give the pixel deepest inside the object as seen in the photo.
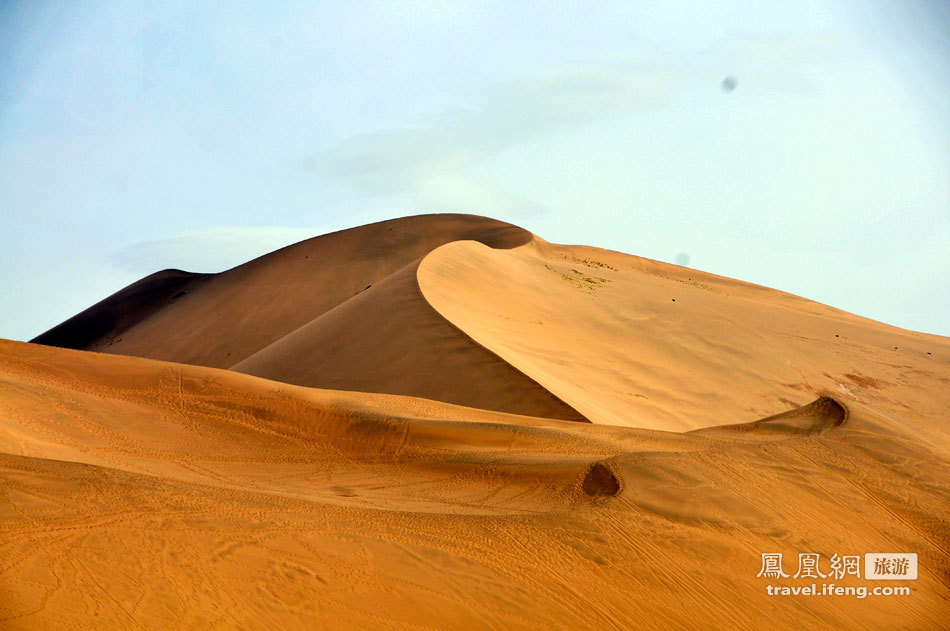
(638, 491)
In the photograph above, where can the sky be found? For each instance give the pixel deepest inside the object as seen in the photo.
(804, 146)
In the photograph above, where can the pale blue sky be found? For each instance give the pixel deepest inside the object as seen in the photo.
(136, 137)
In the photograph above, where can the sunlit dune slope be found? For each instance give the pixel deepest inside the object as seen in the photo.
(630, 341)
(144, 494)
(476, 312)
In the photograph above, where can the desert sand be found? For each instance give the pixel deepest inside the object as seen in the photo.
(446, 422)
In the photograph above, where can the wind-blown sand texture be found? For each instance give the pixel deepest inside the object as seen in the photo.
(446, 422)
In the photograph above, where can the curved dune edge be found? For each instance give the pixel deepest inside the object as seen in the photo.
(340, 311)
(388, 339)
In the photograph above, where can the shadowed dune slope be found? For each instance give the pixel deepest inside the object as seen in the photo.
(104, 321)
(143, 494)
(388, 339)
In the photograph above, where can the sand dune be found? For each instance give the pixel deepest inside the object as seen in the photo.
(473, 311)
(397, 445)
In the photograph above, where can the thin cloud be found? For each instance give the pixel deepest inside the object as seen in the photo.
(402, 160)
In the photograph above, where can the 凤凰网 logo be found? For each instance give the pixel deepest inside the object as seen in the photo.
(877, 566)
